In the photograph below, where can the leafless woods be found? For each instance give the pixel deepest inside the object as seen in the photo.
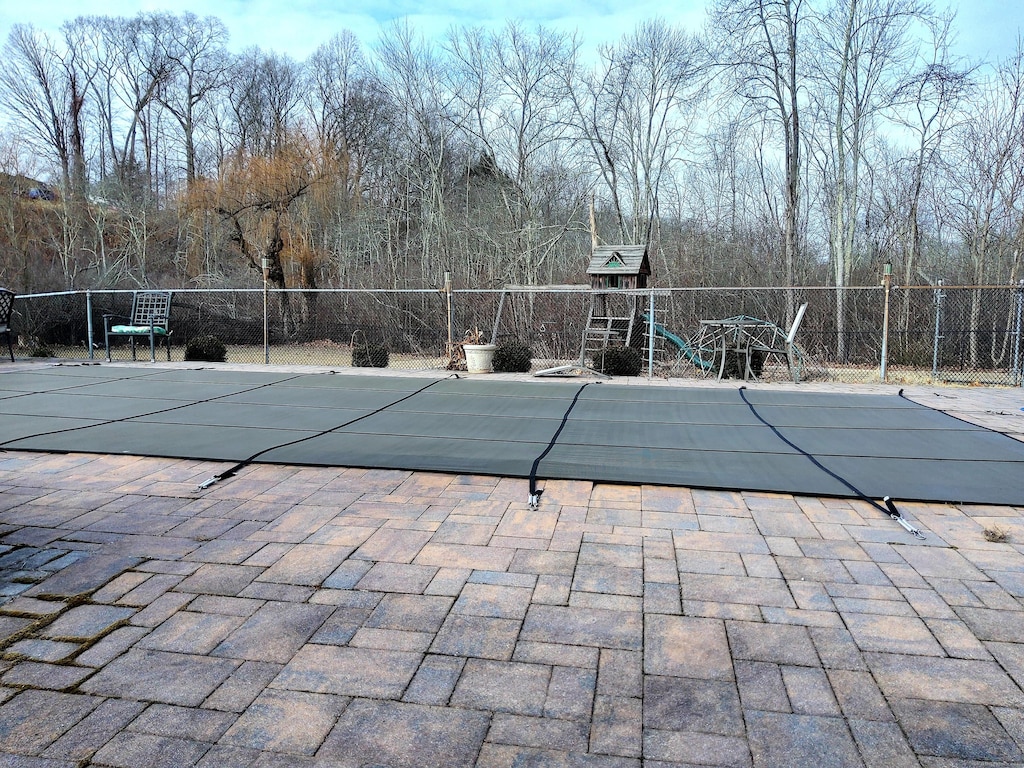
(789, 142)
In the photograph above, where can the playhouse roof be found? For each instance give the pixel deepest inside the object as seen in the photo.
(619, 260)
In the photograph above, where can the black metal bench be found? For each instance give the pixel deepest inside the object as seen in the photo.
(150, 319)
(6, 308)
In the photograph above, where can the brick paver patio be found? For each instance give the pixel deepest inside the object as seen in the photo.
(340, 617)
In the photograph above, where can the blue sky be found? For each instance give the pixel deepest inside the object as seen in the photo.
(987, 28)
(297, 27)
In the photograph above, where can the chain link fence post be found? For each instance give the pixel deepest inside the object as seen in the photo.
(88, 320)
(1018, 373)
(937, 298)
(887, 284)
(650, 334)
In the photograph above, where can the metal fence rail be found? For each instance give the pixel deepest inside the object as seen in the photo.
(956, 334)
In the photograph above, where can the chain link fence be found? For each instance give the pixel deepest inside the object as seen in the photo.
(936, 334)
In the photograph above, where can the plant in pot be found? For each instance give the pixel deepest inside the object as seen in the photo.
(478, 355)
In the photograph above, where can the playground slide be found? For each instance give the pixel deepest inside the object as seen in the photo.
(683, 346)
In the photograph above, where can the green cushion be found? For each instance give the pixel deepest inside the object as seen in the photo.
(138, 330)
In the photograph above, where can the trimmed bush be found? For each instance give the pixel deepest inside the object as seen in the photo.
(619, 361)
(370, 356)
(207, 348)
(512, 357)
(735, 363)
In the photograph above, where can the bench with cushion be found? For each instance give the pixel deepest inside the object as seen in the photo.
(150, 318)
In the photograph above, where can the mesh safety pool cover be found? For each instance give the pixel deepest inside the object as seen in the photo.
(806, 443)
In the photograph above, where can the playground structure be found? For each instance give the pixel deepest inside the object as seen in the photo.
(613, 316)
(622, 318)
(617, 316)
(615, 271)
(742, 344)
(685, 350)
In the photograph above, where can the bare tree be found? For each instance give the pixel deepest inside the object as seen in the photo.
(864, 51)
(45, 88)
(421, 167)
(760, 46)
(927, 105)
(513, 104)
(132, 71)
(636, 112)
(263, 94)
(41, 89)
(352, 118)
(23, 260)
(985, 166)
(347, 105)
(193, 51)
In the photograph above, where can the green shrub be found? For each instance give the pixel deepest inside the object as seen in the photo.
(735, 363)
(619, 361)
(209, 349)
(370, 356)
(512, 357)
(41, 350)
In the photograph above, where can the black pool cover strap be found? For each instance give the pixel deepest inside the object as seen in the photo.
(246, 462)
(889, 508)
(534, 493)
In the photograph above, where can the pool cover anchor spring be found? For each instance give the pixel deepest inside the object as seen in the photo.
(896, 515)
(889, 508)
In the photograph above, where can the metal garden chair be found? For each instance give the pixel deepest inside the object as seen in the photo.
(150, 318)
(784, 345)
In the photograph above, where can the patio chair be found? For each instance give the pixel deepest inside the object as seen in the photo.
(150, 318)
(784, 346)
(6, 307)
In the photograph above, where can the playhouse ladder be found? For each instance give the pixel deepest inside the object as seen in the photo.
(605, 326)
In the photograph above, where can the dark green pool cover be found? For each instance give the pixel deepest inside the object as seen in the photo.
(807, 443)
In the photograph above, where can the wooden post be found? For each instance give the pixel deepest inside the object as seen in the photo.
(593, 225)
